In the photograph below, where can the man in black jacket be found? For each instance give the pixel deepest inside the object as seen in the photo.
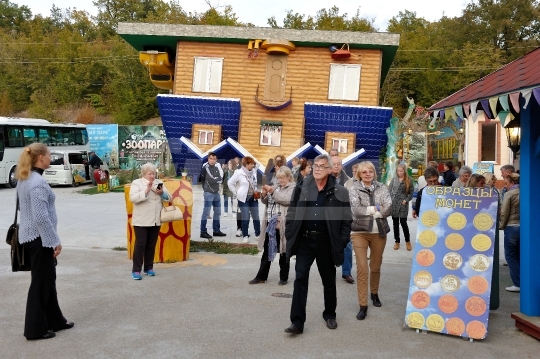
(318, 227)
(211, 177)
(94, 163)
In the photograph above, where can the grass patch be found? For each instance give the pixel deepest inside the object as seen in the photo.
(119, 249)
(89, 190)
(221, 247)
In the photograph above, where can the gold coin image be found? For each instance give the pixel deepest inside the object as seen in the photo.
(476, 330)
(478, 284)
(450, 283)
(457, 221)
(452, 261)
(455, 326)
(481, 242)
(483, 221)
(430, 218)
(422, 279)
(427, 238)
(415, 320)
(435, 323)
(425, 257)
(479, 262)
(475, 306)
(448, 303)
(420, 299)
(454, 241)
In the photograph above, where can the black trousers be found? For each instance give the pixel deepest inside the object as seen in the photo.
(311, 248)
(264, 269)
(405, 227)
(42, 310)
(145, 247)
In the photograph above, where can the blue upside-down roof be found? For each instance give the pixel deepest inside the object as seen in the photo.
(367, 122)
(179, 113)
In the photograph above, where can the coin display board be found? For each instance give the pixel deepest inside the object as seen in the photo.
(452, 266)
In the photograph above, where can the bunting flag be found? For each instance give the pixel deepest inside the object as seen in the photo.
(502, 116)
(503, 100)
(527, 96)
(435, 114)
(441, 114)
(514, 99)
(487, 111)
(450, 114)
(493, 105)
(459, 111)
(473, 111)
(467, 109)
(482, 116)
(536, 93)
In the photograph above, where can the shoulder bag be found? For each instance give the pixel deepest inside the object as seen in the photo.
(170, 214)
(256, 194)
(20, 256)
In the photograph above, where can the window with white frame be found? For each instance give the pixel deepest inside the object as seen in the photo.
(207, 73)
(344, 82)
(206, 137)
(489, 146)
(340, 144)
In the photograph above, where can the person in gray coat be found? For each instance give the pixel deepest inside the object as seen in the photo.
(401, 191)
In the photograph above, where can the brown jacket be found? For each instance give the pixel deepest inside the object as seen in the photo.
(510, 209)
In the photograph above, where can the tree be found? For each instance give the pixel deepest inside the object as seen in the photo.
(12, 16)
(325, 19)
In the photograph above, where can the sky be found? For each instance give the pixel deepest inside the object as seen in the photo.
(252, 10)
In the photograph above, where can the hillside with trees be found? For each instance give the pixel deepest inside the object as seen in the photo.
(71, 66)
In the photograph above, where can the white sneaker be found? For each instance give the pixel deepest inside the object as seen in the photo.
(239, 233)
(225, 215)
(246, 239)
(257, 238)
(512, 289)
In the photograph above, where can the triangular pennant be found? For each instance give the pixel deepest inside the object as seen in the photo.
(527, 96)
(514, 99)
(493, 105)
(467, 109)
(503, 100)
(502, 117)
(487, 111)
(450, 114)
(474, 113)
(482, 116)
(459, 111)
(441, 114)
(536, 93)
(435, 114)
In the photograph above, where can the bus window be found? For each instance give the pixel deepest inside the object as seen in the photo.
(69, 136)
(14, 136)
(29, 135)
(43, 136)
(55, 137)
(1, 143)
(81, 136)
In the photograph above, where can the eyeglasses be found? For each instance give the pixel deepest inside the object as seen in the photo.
(321, 167)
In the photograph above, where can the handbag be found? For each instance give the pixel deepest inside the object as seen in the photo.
(341, 53)
(170, 213)
(20, 256)
(256, 194)
(382, 226)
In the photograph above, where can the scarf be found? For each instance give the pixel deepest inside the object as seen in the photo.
(272, 240)
(251, 178)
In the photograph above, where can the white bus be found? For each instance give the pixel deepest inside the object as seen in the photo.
(16, 133)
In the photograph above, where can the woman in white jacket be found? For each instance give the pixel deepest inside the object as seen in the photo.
(243, 185)
(147, 194)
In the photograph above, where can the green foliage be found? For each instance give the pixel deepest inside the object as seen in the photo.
(221, 247)
(325, 19)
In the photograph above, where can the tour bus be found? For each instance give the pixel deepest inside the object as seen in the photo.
(16, 133)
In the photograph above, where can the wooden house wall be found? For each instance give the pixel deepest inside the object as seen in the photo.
(351, 142)
(308, 72)
(196, 127)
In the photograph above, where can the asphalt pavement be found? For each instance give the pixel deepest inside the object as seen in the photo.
(205, 308)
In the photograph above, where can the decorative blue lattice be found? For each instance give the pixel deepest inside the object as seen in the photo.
(367, 122)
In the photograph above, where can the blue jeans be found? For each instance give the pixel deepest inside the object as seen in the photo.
(250, 206)
(211, 200)
(347, 260)
(226, 203)
(511, 252)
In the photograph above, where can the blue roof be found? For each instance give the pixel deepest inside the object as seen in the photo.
(367, 122)
(179, 113)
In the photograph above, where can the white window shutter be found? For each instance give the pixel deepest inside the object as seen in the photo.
(352, 83)
(214, 75)
(335, 88)
(200, 75)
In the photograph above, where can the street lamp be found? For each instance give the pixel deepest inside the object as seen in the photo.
(513, 135)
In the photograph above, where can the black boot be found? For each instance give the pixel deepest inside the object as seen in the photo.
(362, 313)
(376, 300)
